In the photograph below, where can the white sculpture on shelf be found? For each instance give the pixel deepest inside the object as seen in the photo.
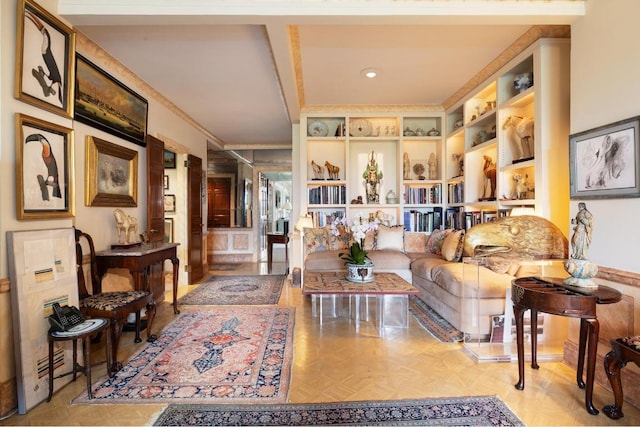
(522, 137)
(125, 225)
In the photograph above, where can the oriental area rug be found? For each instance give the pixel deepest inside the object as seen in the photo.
(236, 290)
(470, 411)
(437, 326)
(222, 355)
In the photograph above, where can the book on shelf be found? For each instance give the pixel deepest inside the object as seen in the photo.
(324, 217)
(423, 195)
(454, 218)
(327, 195)
(422, 221)
(456, 192)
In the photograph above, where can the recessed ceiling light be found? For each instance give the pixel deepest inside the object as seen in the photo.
(369, 73)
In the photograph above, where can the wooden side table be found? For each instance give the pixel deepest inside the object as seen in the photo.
(551, 295)
(277, 238)
(83, 332)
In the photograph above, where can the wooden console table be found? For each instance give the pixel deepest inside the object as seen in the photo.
(138, 260)
(551, 295)
(277, 238)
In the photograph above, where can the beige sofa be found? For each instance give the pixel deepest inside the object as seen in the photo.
(446, 285)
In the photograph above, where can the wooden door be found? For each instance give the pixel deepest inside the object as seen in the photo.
(155, 189)
(194, 208)
(155, 210)
(219, 202)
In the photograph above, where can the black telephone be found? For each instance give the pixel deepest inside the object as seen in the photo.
(65, 318)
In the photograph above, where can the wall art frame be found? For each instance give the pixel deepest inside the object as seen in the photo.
(165, 182)
(45, 180)
(111, 174)
(42, 271)
(169, 159)
(45, 80)
(118, 110)
(605, 161)
(170, 203)
(168, 230)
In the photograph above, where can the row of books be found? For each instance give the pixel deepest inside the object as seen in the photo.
(423, 195)
(328, 195)
(322, 218)
(422, 221)
(456, 192)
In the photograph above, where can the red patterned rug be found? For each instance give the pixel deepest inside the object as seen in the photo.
(221, 355)
(236, 290)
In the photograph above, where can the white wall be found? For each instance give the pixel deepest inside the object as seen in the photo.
(605, 87)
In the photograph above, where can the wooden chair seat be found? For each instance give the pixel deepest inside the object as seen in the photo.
(623, 351)
(115, 306)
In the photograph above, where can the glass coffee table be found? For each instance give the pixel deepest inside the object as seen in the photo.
(333, 296)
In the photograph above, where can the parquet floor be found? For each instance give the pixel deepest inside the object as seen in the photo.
(332, 363)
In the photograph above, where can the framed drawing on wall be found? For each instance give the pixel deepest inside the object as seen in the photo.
(42, 270)
(605, 161)
(111, 174)
(44, 60)
(44, 169)
(169, 203)
(103, 102)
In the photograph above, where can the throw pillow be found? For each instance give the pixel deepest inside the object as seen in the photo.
(336, 243)
(390, 238)
(436, 238)
(452, 246)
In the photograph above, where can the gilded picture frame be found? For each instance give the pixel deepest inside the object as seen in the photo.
(605, 161)
(111, 174)
(44, 169)
(103, 102)
(44, 78)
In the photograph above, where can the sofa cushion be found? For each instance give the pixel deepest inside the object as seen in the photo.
(453, 245)
(389, 259)
(478, 281)
(324, 261)
(415, 242)
(390, 238)
(435, 240)
(423, 266)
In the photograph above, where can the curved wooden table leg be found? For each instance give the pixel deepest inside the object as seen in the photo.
(593, 327)
(612, 366)
(519, 317)
(176, 264)
(151, 314)
(534, 339)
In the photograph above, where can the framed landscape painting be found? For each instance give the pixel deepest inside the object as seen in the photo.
(103, 102)
(44, 169)
(44, 60)
(605, 161)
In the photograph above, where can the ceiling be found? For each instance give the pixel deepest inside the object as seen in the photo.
(245, 70)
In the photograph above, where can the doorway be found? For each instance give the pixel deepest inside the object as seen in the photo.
(275, 200)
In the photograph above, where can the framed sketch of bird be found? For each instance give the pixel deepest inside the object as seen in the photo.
(44, 62)
(44, 169)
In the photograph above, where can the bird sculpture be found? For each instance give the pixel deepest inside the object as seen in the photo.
(49, 60)
(52, 167)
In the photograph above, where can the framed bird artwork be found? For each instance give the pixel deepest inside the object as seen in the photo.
(44, 169)
(45, 49)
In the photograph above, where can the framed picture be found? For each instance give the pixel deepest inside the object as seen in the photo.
(166, 182)
(44, 169)
(169, 203)
(605, 161)
(169, 159)
(111, 174)
(103, 102)
(168, 230)
(44, 60)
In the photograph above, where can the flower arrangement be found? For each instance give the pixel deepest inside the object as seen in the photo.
(358, 229)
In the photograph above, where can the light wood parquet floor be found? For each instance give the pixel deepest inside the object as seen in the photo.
(332, 363)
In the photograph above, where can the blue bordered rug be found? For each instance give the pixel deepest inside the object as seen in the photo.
(468, 411)
(236, 290)
(437, 326)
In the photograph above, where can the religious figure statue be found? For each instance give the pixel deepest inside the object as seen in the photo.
(372, 176)
(433, 166)
(582, 230)
(406, 166)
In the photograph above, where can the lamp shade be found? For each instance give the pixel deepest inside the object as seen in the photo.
(286, 205)
(305, 221)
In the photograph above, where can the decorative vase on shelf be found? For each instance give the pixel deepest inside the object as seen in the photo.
(360, 273)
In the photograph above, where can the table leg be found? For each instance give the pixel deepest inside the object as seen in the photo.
(75, 359)
(519, 317)
(582, 343)
(594, 330)
(50, 371)
(380, 299)
(176, 264)
(269, 254)
(534, 339)
(86, 349)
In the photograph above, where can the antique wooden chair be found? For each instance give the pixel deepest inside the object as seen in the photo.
(115, 306)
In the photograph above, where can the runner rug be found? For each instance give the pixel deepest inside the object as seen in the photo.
(435, 324)
(205, 355)
(478, 411)
(236, 290)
